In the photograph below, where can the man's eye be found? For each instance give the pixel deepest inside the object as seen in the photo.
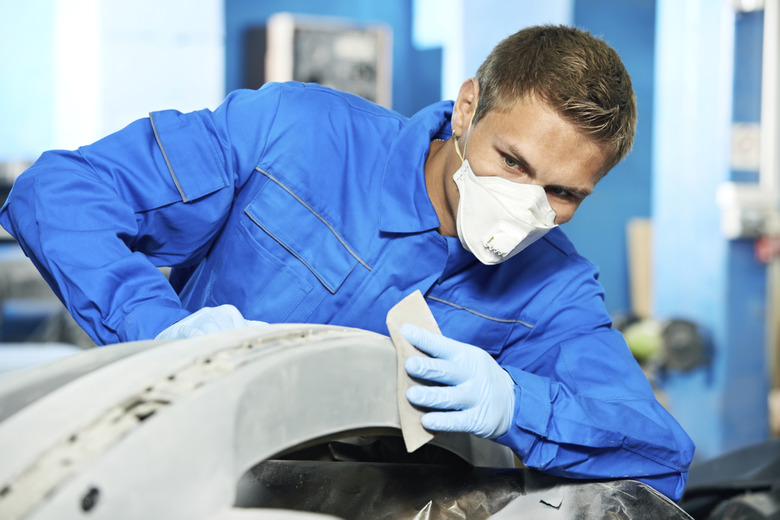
(510, 162)
(559, 192)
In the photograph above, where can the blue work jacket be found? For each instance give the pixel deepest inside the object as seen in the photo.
(297, 203)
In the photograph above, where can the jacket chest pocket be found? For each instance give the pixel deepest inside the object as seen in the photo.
(299, 257)
(302, 233)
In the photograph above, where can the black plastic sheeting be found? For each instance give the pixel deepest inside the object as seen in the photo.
(740, 485)
(361, 490)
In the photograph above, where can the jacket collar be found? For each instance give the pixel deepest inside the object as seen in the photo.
(404, 203)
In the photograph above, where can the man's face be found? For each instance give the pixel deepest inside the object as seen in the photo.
(532, 144)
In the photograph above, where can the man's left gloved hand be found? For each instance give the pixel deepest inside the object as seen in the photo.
(479, 395)
(207, 321)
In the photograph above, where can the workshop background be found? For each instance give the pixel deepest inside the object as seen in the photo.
(685, 231)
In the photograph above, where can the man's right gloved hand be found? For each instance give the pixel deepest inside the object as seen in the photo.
(206, 321)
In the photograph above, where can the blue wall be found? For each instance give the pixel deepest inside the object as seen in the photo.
(416, 74)
(487, 22)
(746, 382)
(701, 49)
(599, 228)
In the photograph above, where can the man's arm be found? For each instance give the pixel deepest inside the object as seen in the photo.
(98, 221)
(569, 432)
(593, 414)
(82, 235)
(582, 405)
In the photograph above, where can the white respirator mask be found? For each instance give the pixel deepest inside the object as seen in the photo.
(497, 218)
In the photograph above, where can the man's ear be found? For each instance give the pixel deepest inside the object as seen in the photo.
(465, 105)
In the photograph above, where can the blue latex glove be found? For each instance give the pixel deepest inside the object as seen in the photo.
(206, 321)
(479, 395)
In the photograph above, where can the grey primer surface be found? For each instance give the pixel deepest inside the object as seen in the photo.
(182, 429)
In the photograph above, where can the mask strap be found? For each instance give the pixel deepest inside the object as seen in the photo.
(457, 148)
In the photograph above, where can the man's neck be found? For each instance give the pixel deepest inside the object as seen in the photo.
(437, 177)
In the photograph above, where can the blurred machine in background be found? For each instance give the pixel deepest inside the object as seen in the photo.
(336, 53)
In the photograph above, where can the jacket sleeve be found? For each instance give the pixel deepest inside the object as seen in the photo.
(99, 221)
(583, 407)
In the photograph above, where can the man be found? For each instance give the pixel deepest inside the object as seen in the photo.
(296, 203)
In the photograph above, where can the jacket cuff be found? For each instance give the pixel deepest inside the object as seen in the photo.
(148, 320)
(532, 401)
(531, 415)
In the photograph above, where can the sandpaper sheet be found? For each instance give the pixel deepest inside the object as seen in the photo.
(414, 310)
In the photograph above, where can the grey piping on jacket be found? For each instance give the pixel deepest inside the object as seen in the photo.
(167, 161)
(477, 313)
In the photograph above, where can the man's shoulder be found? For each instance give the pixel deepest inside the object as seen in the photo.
(547, 267)
(555, 244)
(553, 264)
(305, 96)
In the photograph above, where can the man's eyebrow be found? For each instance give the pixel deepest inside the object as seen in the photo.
(518, 157)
